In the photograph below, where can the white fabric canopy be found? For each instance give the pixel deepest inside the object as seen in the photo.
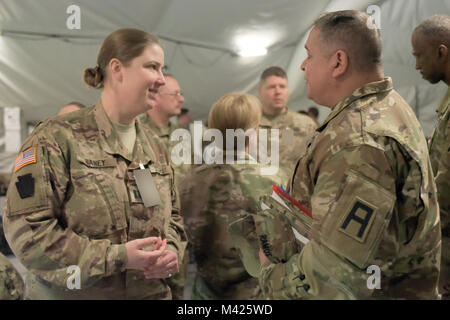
(42, 61)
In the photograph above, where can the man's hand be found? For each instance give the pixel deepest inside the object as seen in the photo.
(262, 258)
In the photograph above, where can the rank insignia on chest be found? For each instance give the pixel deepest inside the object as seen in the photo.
(135, 195)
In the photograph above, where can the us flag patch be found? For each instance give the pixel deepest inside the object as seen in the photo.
(25, 158)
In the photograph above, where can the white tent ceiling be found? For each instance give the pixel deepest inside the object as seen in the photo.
(41, 60)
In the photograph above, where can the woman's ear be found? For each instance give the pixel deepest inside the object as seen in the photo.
(115, 69)
(339, 63)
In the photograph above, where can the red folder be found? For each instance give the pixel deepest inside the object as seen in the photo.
(281, 192)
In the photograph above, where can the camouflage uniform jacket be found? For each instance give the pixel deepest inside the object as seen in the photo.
(11, 283)
(216, 195)
(440, 161)
(164, 134)
(366, 176)
(78, 204)
(295, 129)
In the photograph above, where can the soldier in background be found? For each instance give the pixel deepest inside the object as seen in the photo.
(366, 177)
(294, 128)
(216, 195)
(70, 107)
(168, 104)
(431, 48)
(184, 119)
(313, 113)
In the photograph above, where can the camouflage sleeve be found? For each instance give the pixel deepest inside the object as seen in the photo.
(11, 283)
(442, 174)
(176, 238)
(34, 216)
(351, 203)
(194, 199)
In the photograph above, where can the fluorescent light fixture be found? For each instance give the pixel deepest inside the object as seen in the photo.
(251, 44)
(252, 51)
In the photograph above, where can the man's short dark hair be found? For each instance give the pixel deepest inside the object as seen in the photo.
(76, 103)
(273, 71)
(314, 111)
(436, 29)
(348, 30)
(183, 111)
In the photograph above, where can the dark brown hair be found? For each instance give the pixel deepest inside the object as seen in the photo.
(122, 44)
(273, 71)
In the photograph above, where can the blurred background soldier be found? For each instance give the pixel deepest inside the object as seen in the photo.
(168, 104)
(184, 119)
(70, 107)
(294, 128)
(431, 47)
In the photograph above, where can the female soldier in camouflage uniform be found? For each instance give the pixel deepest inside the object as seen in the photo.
(77, 215)
(218, 194)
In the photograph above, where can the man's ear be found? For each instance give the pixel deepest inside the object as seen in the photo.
(442, 52)
(339, 63)
(115, 69)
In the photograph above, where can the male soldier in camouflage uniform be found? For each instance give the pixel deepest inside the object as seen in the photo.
(168, 104)
(73, 200)
(431, 47)
(366, 176)
(294, 128)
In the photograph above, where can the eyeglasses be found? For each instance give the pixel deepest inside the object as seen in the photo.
(175, 94)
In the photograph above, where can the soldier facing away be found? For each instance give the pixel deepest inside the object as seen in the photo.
(366, 177)
(431, 48)
(216, 195)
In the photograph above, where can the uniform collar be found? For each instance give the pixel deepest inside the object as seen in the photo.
(164, 131)
(368, 89)
(110, 142)
(445, 103)
(267, 120)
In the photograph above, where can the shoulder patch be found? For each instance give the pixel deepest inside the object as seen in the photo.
(358, 220)
(354, 225)
(25, 158)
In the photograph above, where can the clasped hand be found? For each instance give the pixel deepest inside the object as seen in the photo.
(151, 256)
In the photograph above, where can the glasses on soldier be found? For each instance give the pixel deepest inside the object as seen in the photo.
(175, 94)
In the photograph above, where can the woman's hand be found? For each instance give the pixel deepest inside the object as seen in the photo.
(139, 257)
(164, 267)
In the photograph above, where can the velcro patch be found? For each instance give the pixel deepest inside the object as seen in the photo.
(25, 158)
(358, 221)
(25, 186)
(354, 225)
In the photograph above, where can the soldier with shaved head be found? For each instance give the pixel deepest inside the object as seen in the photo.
(431, 48)
(366, 177)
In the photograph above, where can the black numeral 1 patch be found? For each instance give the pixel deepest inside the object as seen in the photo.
(357, 222)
